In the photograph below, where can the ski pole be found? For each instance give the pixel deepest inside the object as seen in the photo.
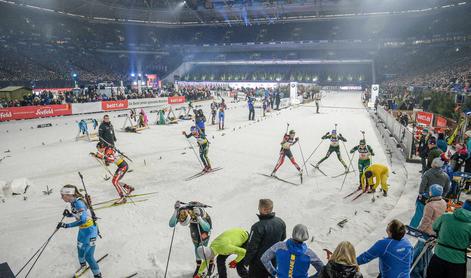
(89, 203)
(197, 157)
(302, 155)
(305, 162)
(348, 156)
(40, 251)
(345, 177)
(170, 250)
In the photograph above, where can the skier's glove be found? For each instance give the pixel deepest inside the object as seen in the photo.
(296, 139)
(177, 205)
(327, 133)
(233, 264)
(67, 213)
(184, 133)
(61, 225)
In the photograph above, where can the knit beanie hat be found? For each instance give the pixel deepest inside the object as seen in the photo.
(436, 190)
(300, 233)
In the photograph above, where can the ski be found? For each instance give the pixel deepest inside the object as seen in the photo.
(117, 205)
(132, 275)
(202, 173)
(352, 193)
(339, 175)
(301, 177)
(277, 178)
(80, 271)
(358, 196)
(317, 168)
(132, 196)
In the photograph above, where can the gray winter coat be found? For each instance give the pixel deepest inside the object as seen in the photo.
(434, 176)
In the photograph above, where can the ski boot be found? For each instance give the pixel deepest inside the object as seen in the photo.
(385, 193)
(273, 174)
(97, 275)
(207, 169)
(128, 189)
(371, 190)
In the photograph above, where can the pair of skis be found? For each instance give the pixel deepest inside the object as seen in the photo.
(202, 173)
(112, 202)
(323, 173)
(80, 272)
(283, 180)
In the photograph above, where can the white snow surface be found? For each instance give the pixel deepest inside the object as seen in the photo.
(137, 237)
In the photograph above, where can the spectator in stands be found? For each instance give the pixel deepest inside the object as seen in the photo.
(454, 237)
(434, 208)
(263, 234)
(292, 257)
(467, 140)
(433, 151)
(435, 175)
(106, 132)
(441, 143)
(394, 252)
(423, 149)
(342, 263)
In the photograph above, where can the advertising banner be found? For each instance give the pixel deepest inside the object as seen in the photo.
(176, 100)
(81, 108)
(32, 112)
(114, 105)
(146, 102)
(441, 122)
(424, 118)
(53, 90)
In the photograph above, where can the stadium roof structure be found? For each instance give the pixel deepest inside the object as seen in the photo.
(248, 12)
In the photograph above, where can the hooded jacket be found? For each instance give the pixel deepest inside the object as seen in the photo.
(263, 234)
(338, 270)
(434, 176)
(292, 259)
(454, 235)
(434, 208)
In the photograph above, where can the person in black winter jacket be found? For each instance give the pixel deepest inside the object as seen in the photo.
(342, 263)
(106, 132)
(423, 149)
(263, 235)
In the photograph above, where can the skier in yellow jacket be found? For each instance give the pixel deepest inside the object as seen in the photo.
(230, 242)
(378, 172)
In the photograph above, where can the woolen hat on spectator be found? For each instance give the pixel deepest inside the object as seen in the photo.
(300, 233)
(436, 190)
(432, 141)
(437, 162)
(468, 133)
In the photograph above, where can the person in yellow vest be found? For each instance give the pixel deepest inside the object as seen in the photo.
(379, 173)
(233, 241)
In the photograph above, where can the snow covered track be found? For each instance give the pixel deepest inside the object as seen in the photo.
(137, 236)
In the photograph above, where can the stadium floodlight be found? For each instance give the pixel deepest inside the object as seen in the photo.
(74, 75)
(139, 75)
(134, 83)
(133, 74)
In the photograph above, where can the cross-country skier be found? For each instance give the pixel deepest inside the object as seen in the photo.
(286, 143)
(214, 108)
(334, 147)
(364, 156)
(203, 144)
(221, 115)
(200, 226)
(380, 174)
(110, 155)
(87, 229)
